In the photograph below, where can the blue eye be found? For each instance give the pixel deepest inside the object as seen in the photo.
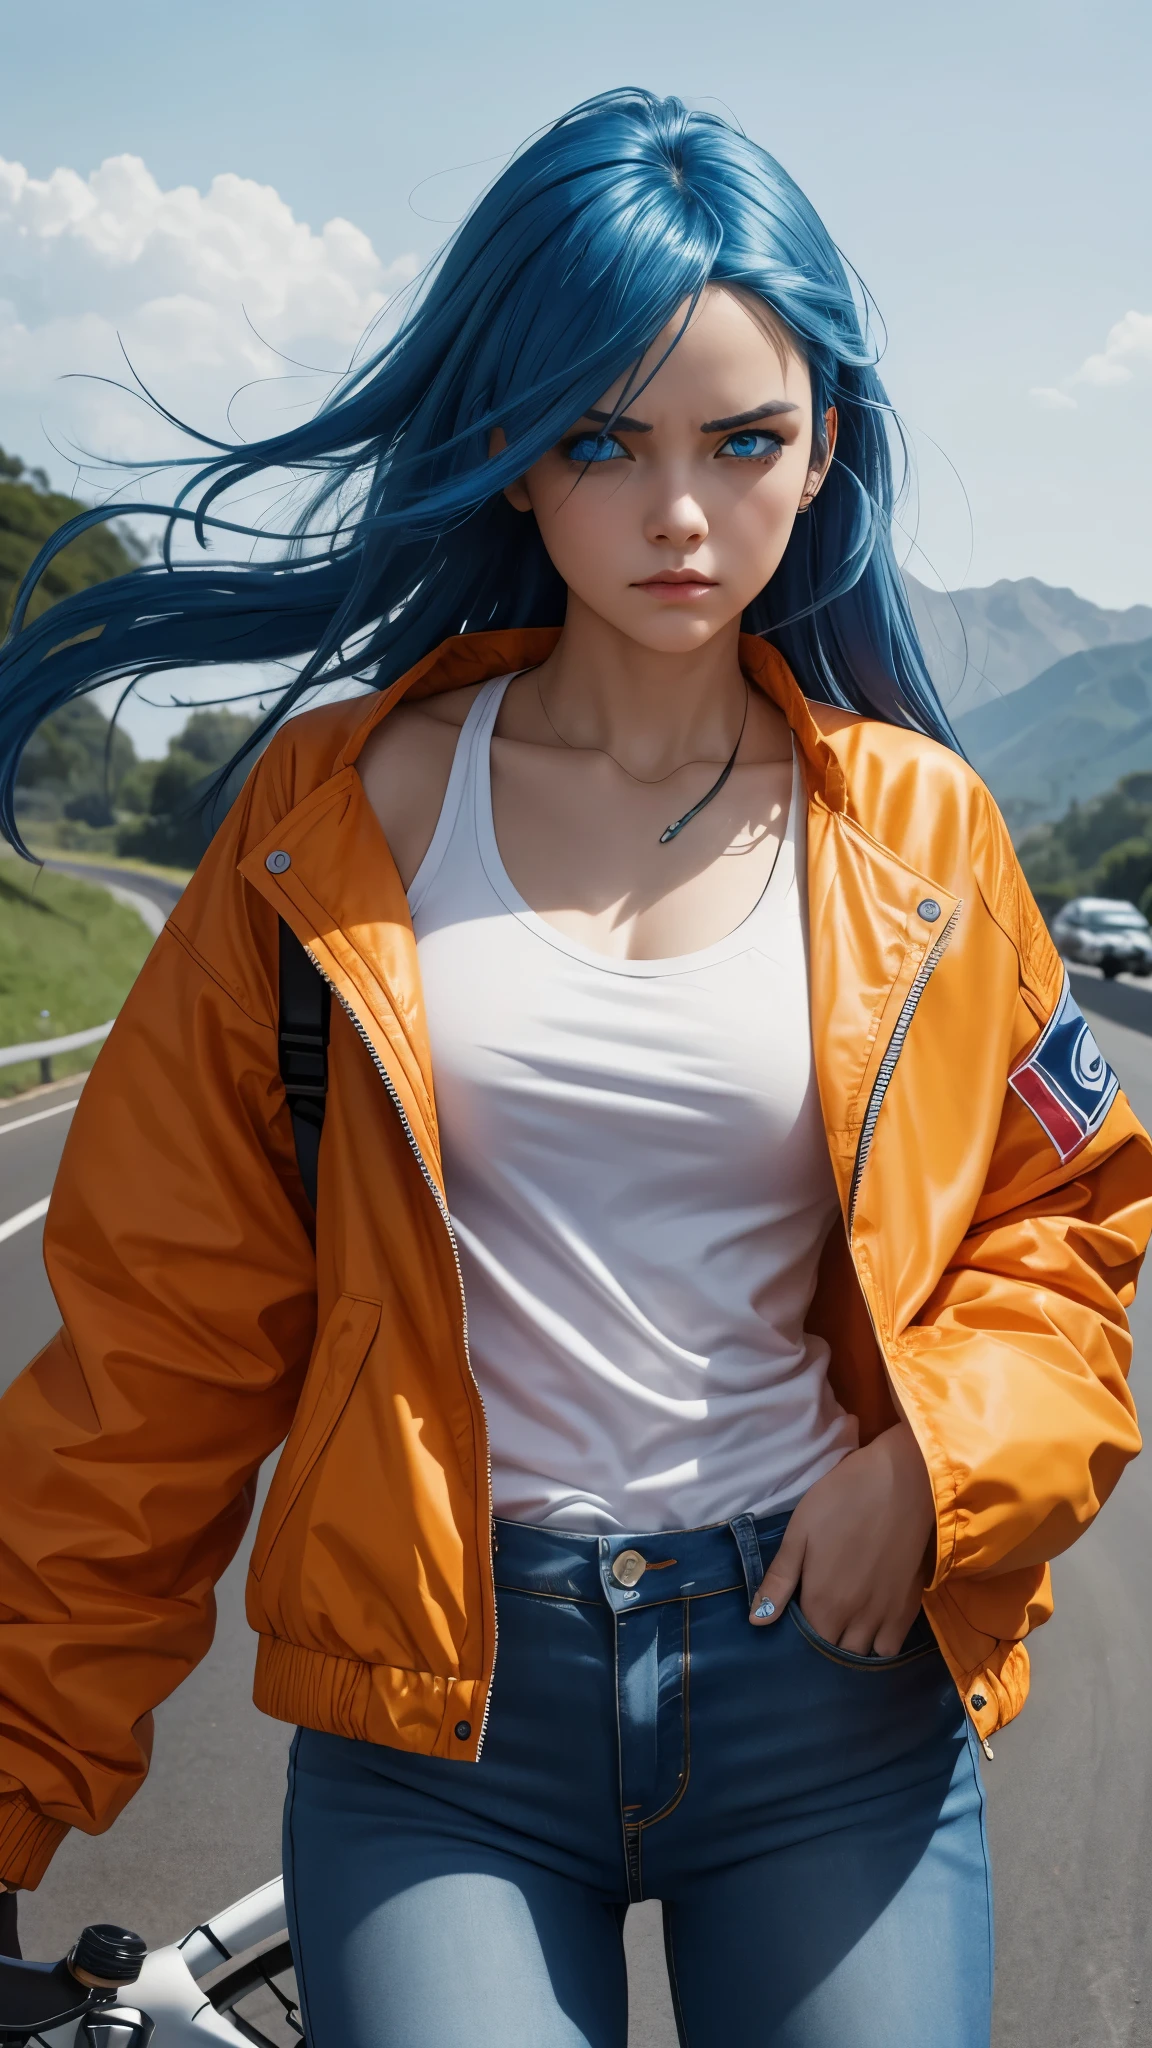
(595, 448)
(749, 443)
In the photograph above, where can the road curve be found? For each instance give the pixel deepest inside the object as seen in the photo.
(1070, 1789)
(156, 889)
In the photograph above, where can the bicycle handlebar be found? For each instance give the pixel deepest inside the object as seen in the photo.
(35, 1997)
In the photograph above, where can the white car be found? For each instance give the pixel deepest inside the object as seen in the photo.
(1103, 932)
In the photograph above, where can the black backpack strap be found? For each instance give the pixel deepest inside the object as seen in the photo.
(305, 1016)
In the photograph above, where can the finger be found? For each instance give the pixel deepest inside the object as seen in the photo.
(859, 1637)
(781, 1579)
(892, 1632)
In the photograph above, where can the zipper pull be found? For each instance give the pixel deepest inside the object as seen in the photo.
(986, 1746)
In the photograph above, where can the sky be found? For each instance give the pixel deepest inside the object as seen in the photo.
(226, 192)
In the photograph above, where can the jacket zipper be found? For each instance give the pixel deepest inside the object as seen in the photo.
(438, 1198)
(888, 1063)
(867, 1131)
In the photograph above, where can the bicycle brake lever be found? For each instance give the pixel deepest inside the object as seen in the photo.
(115, 2026)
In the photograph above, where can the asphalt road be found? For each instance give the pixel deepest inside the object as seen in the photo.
(1070, 1790)
(153, 888)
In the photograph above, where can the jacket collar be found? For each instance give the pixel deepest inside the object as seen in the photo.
(344, 899)
(478, 657)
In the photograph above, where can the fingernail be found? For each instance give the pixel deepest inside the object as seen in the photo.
(765, 1611)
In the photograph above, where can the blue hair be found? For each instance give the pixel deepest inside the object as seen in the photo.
(555, 285)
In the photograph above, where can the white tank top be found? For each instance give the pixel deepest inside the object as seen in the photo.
(638, 1177)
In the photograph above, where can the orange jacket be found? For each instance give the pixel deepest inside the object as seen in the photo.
(986, 1280)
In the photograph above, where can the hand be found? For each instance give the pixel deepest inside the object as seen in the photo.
(858, 1548)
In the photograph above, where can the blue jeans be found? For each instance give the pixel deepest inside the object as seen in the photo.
(812, 1821)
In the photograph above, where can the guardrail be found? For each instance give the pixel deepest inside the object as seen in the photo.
(43, 1049)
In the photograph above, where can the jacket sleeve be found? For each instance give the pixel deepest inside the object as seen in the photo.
(1025, 1342)
(178, 1248)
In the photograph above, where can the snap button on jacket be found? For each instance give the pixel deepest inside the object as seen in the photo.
(978, 1282)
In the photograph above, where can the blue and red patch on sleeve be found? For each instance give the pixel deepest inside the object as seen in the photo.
(1066, 1080)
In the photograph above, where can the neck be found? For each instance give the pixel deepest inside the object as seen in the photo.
(652, 711)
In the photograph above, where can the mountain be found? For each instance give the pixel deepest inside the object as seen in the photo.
(982, 644)
(1068, 735)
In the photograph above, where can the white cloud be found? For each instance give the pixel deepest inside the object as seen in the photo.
(1127, 349)
(1051, 397)
(181, 278)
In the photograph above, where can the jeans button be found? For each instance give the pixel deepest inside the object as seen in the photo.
(629, 1567)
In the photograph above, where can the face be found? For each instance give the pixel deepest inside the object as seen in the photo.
(668, 527)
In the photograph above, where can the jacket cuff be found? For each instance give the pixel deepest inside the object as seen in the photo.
(28, 1841)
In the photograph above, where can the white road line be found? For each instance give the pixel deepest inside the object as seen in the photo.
(25, 1217)
(20, 1122)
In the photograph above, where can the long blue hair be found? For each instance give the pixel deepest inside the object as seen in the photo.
(554, 286)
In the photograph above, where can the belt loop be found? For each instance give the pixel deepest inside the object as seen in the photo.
(748, 1544)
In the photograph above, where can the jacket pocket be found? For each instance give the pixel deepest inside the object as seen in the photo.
(919, 1642)
(343, 1346)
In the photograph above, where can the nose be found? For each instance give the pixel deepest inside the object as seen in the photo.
(676, 517)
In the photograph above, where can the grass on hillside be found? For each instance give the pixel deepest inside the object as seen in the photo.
(44, 848)
(65, 947)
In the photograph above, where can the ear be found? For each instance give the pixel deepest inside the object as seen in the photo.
(819, 470)
(517, 493)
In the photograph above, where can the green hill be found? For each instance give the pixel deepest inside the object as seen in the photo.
(68, 956)
(1101, 848)
(1068, 735)
(29, 515)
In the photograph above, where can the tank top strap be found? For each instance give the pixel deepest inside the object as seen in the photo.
(469, 765)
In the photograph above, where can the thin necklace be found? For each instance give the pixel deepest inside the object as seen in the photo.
(672, 831)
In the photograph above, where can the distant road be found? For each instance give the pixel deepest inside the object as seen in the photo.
(1070, 1790)
(130, 885)
(1126, 1000)
(29, 1154)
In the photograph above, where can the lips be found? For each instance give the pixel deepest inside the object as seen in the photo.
(677, 579)
(677, 586)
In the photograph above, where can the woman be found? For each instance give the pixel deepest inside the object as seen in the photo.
(725, 1222)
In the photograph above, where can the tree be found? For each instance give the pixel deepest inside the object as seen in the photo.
(175, 830)
(73, 764)
(1099, 848)
(29, 515)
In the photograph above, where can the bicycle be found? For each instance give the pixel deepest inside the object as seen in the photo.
(228, 1980)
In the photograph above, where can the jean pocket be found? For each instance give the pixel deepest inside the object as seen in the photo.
(919, 1642)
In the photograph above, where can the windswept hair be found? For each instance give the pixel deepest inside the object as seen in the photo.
(554, 286)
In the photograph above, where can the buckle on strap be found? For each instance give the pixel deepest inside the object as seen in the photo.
(303, 1062)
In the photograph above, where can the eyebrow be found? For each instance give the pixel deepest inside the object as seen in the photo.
(627, 425)
(745, 419)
